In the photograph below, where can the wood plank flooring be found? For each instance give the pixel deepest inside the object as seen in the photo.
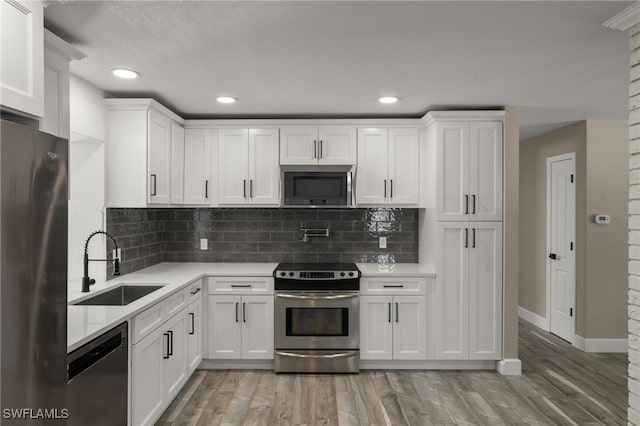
(559, 385)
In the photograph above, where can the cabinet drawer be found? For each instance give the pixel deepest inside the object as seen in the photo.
(240, 285)
(195, 290)
(147, 321)
(174, 304)
(393, 286)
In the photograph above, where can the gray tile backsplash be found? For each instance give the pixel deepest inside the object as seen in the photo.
(150, 236)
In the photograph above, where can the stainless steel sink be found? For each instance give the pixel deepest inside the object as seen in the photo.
(120, 296)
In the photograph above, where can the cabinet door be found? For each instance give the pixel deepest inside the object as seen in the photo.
(159, 146)
(404, 161)
(299, 145)
(177, 163)
(409, 327)
(376, 327)
(485, 171)
(452, 291)
(485, 290)
(22, 58)
(225, 327)
(452, 170)
(257, 327)
(194, 335)
(197, 170)
(233, 166)
(175, 366)
(337, 145)
(146, 379)
(371, 183)
(264, 170)
(56, 93)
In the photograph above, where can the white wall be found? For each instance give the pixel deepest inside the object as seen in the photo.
(86, 178)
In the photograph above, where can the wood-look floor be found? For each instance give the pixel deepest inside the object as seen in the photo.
(559, 385)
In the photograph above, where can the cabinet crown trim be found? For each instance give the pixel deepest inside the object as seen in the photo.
(489, 115)
(132, 104)
(61, 47)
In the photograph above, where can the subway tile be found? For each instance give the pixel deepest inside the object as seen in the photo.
(256, 215)
(189, 256)
(222, 247)
(234, 236)
(284, 236)
(278, 215)
(223, 226)
(235, 214)
(259, 236)
(269, 226)
(246, 226)
(305, 215)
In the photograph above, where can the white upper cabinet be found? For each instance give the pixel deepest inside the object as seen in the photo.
(313, 145)
(197, 167)
(248, 171)
(142, 137)
(177, 164)
(388, 166)
(469, 177)
(22, 57)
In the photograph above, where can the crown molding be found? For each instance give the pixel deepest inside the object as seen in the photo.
(626, 19)
(55, 43)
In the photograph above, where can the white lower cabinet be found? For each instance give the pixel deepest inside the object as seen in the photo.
(159, 369)
(194, 335)
(240, 327)
(393, 319)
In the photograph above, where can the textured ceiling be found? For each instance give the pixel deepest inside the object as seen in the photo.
(334, 59)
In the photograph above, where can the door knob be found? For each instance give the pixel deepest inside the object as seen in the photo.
(552, 256)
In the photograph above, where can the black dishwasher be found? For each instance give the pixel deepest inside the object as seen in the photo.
(97, 388)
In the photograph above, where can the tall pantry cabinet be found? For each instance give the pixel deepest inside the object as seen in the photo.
(469, 186)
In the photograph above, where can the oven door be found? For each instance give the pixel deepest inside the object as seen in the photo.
(317, 320)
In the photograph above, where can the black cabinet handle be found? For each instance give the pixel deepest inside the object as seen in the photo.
(391, 182)
(206, 189)
(193, 323)
(315, 149)
(320, 148)
(389, 311)
(552, 256)
(474, 238)
(155, 188)
(244, 188)
(250, 188)
(166, 347)
(170, 342)
(196, 291)
(397, 314)
(237, 311)
(466, 237)
(473, 204)
(244, 312)
(393, 286)
(385, 188)
(466, 204)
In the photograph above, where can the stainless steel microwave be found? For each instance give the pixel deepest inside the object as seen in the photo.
(317, 188)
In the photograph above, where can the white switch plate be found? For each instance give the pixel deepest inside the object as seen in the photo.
(382, 242)
(602, 219)
(204, 244)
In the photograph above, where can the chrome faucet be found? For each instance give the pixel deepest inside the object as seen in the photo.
(86, 281)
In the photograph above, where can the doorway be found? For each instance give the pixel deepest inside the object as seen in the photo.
(561, 259)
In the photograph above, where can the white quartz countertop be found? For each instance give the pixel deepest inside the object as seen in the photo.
(85, 323)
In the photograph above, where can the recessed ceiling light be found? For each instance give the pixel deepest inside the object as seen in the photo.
(125, 73)
(226, 99)
(388, 100)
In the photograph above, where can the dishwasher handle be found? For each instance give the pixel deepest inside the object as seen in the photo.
(88, 355)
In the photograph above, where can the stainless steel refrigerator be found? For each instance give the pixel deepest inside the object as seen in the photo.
(33, 270)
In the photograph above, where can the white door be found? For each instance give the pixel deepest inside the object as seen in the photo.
(197, 167)
(159, 158)
(485, 171)
(264, 169)
(452, 291)
(561, 228)
(404, 159)
(376, 327)
(225, 327)
(146, 381)
(233, 166)
(337, 145)
(257, 327)
(453, 170)
(175, 366)
(409, 327)
(485, 290)
(371, 180)
(194, 335)
(299, 145)
(177, 163)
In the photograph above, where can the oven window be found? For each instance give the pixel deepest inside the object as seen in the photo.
(314, 187)
(317, 321)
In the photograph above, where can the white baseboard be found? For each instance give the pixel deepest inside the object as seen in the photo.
(509, 367)
(534, 319)
(601, 345)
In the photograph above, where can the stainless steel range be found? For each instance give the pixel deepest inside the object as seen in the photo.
(317, 318)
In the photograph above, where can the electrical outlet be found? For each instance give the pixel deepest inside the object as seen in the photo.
(382, 242)
(204, 244)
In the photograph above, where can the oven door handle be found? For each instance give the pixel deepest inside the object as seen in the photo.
(318, 297)
(329, 356)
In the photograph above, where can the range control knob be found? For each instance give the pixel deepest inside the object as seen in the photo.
(350, 274)
(342, 274)
(282, 274)
(290, 274)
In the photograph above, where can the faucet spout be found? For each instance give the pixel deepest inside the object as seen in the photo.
(86, 280)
